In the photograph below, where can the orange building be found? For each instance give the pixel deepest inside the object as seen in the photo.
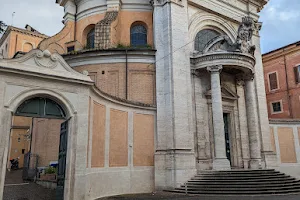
(282, 81)
(16, 39)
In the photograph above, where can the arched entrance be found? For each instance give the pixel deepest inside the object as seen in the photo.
(41, 148)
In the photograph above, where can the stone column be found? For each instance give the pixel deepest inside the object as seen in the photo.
(243, 122)
(252, 119)
(220, 161)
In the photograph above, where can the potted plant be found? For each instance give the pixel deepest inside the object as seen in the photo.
(50, 174)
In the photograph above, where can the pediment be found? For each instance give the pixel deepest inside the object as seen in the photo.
(43, 63)
(227, 93)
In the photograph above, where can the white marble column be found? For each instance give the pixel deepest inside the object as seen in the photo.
(243, 122)
(252, 119)
(220, 161)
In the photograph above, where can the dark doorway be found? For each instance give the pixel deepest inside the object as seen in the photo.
(227, 136)
(38, 140)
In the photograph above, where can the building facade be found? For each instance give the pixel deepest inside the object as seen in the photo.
(281, 68)
(19, 40)
(154, 92)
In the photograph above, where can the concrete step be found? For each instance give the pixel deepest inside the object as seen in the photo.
(237, 171)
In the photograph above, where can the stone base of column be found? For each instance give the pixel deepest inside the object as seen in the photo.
(271, 160)
(246, 163)
(173, 168)
(221, 164)
(255, 164)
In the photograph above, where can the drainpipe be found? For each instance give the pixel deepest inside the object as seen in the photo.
(75, 22)
(126, 78)
(287, 85)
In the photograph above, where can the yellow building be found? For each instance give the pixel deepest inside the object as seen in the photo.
(16, 39)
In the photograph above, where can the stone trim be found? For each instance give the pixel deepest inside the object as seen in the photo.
(103, 30)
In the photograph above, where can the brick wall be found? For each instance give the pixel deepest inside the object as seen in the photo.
(111, 78)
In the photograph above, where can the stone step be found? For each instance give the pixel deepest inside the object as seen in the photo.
(237, 175)
(212, 183)
(238, 171)
(242, 185)
(240, 182)
(243, 180)
(235, 193)
(245, 188)
(241, 176)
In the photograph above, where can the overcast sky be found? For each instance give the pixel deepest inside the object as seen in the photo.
(281, 19)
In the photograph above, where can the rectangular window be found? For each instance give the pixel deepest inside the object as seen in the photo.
(276, 106)
(297, 74)
(70, 49)
(273, 81)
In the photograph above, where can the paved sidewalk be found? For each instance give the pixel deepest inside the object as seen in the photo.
(171, 196)
(16, 189)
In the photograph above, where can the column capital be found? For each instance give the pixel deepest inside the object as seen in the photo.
(215, 68)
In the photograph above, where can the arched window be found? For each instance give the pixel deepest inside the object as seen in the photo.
(40, 107)
(138, 35)
(203, 37)
(90, 39)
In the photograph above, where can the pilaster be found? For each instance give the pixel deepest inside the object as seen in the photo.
(269, 158)
(243, 122)
(175, 157)
(70, 11)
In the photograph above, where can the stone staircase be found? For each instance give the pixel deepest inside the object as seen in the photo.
(240, 182)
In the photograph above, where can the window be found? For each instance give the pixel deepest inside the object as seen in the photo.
(203, 38)
(70, 49)
(138, 35)
(273, 81)
(90, 43)
(276, 107)
(297, 74)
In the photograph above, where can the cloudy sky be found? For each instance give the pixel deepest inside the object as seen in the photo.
(281, 19)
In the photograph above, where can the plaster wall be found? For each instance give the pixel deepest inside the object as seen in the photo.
(128, 142)
(286, 145)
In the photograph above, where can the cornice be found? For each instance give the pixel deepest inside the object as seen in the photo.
(283, 51)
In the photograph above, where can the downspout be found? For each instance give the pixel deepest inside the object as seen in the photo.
(126, 78)
(287, 85)
(75, 22)
(16, 44)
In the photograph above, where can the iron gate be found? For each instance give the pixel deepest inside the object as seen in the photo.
(62, 161)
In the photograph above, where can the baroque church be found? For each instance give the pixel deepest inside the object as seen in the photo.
(151, 93)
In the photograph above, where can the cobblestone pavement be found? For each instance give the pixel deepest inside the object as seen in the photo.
(171, 196)
(16, 189)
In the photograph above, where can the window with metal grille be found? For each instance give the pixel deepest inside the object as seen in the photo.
(297, 74)
(138, 35)
(90, 43)
(203, 37)
(273, 81)
(276, 106)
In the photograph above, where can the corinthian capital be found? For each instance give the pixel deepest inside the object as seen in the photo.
(215, 68)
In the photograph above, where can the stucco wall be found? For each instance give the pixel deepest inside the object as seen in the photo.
(45, 140)
(124, 147)
(285, 142)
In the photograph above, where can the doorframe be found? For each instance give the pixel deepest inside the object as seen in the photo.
(6, 116)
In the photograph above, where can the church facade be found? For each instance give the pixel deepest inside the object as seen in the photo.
(153, 92)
